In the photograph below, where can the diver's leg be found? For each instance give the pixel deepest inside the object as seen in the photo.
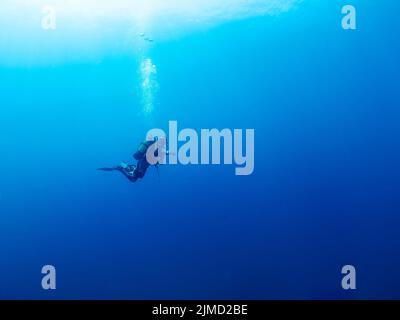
(129, 171)
(142, 166)
(131, 178)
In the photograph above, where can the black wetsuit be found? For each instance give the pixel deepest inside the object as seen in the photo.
(132, 172)
(129, 172)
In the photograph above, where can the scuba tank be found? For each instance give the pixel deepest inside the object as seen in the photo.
(142, 149)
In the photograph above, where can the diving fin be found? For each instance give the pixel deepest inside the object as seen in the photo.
(108, 169)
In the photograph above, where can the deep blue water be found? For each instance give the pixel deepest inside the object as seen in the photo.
(324, 103)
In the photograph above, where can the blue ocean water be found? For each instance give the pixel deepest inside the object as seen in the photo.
(324, 103)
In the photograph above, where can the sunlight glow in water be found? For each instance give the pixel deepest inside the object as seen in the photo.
(93, 29)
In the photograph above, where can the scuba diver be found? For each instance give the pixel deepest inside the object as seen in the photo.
(135, 172)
